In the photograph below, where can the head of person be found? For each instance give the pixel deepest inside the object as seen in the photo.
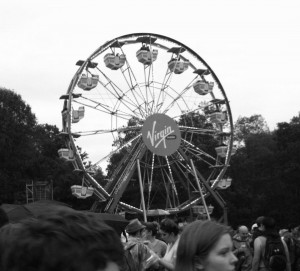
(151, 229)
(267, 224)
(243, 232)
(60, 241)
(169, 230)
(135, 228)
(293, 228)
(207, 246)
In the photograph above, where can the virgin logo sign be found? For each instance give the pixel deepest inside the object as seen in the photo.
(158, 137)
(161, 134)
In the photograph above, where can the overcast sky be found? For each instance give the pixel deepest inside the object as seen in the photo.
(252, 46)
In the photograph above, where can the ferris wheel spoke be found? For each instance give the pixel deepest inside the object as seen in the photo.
(201, 152)
(197, 155)
(122, 165)
(151, 70)
(120, 95)
(171, 179)
(108, 131)
(198, 130)
(150, 182)
(167, 94)
(149, 80)
(108, 110)
(174, 197)
(113, 152)
(179, 96)
(200, 107)
(134, 85)
(179, 173)
(161, 169)
(203, 182)
(161, 97)
(185, 168)
(168, 76)
(182, 166)
(116, 91)
(149, 83)
(123, 179)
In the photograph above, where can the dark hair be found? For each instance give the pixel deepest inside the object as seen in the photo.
(63, 241)
(259, 220)
(269, 223)
(197, 240)
(153, 227)
(169, 226)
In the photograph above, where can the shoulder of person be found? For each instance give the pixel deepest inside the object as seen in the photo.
(141, 246)
(260, 238)
(162, 243)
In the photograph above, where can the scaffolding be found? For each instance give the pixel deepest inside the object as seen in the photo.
(40, 190)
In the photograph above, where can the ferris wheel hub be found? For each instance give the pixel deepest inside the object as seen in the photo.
(161, 134)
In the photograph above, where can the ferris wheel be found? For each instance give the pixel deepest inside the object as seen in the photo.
(152, 109)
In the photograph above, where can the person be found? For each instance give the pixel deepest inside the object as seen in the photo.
(255, 230)
(149, 234)
(268, 231)
(169, 232)
(292, 239)
(66, 240)
(207, 246)
(141, 254)
(157, 246)
(241, 245)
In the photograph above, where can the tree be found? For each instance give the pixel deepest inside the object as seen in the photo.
(265, 174)
(245, 126)
(17, 127)
(28, 152)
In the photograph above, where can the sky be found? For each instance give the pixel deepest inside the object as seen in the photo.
(252, 46)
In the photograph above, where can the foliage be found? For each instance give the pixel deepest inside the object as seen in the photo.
(17, 125)
(29, 152)
(265, 174)
(247, 126)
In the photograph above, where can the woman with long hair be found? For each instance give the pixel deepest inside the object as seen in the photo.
(205, 246)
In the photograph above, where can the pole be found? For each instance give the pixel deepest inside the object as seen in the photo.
(141, 189)
(200, 190)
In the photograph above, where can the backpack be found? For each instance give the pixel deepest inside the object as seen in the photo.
(275, 258)
(241, 259)
(128, 263)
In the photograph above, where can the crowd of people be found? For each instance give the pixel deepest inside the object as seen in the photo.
(76, 241)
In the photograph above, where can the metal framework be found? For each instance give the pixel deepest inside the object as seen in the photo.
(170, 79)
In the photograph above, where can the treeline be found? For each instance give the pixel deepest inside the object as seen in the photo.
(28, 152)
(265, 170)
